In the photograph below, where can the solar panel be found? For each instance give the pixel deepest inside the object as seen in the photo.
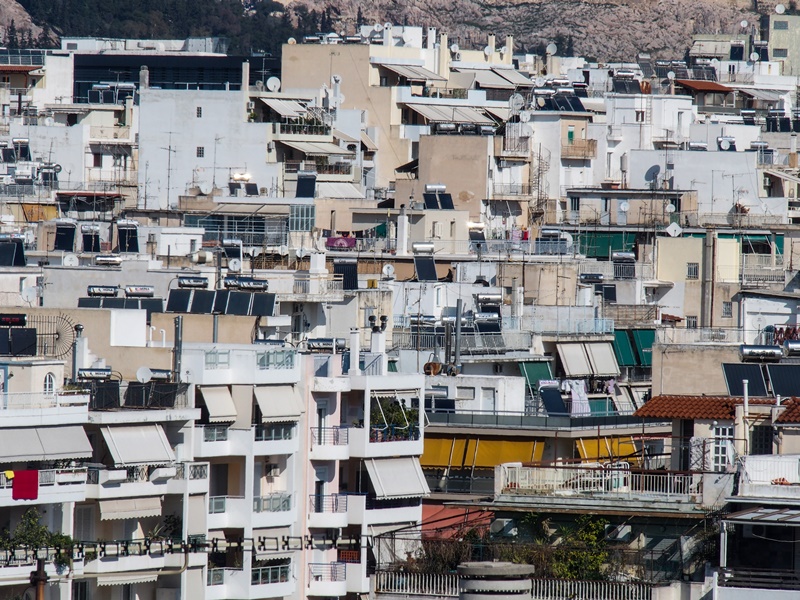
(164, 394)
(561, 103)
(89, 302)
(263, 304)
(425, 268)
(784, 379)
(128, 239)
(117, 303)
(221, 301)
(488, 326)
(7, 252)
(65, 238)
(91, 242)
(5, 341)
(431, 202)
(137, 394)
(647, 69)
(178, 300)
(202, 302)
(349, 272)
(446, 201)
(234, 187)
(251, 189)
(132, 303)
(736, 372)
(618, 85)
(105, 395)
(577, 105)
(239, 303)
(23, 341)
(306, 186)
(553, 402)
(476, 235)
(152, 305)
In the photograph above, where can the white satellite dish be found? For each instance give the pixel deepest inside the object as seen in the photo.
(744, 24)
(671, 75)
(49, 121)
(624, 207)
(143, 374)
(516, 103)
(488, 51)
(273, 84)
(754, 56)
(551, 49)
(454, 48)
(283, 250)
(504, 50)
(670, 208)
(70, 260)
(524, 116)
(302, 252)
(291, 41)
(407, 37)
(724, 145)
(377, 27)
(540, 81)
(780, 9)
(388, 271)
(29, 294)
(673, 230)
(234, 265)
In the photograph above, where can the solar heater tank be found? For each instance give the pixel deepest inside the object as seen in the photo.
(753, 353)
(791, 348)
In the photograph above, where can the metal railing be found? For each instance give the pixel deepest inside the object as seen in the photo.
(472, 343)
(276, 502)
(329, 436)
(332, 284)
(513, 189)
(556, 589)
(417, 584)
(334, 571)
(508, 419)
(393, 433)
(215, 433)
(302, 129)
(192, 471)
(579, 149)
(215, 360)
(219, 504)
(719, 335)
(330, 503)
(51, 477)
(268, 575)
(110, 133)
(29, 400)
(275, 359)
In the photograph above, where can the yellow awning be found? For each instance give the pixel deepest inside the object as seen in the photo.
(465, 453)
(606, 448)
(436, 452)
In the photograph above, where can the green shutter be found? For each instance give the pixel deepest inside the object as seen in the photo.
(598, 244)
(623, 349)
(534, 372)
(392, 366)
(643, 339)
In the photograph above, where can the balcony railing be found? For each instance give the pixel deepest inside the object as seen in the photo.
(51, 477)
(582, 149)
(472, 343)
(274, 432)
(215, 433)
(719, 335)
(217, 360)
(275, 359)
(330, 503)
(417, 584)
(110, 133)
(191, 471)
(329, 436)
(302, 129)
(38, 400)
(268, 575)
(277, 502)
(394, 433)
(303, 285)
(217, 576)
(326, 571)
(219, 504)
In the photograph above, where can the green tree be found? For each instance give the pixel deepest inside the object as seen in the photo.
(582, 550)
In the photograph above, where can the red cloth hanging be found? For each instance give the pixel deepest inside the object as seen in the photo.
(25, 485)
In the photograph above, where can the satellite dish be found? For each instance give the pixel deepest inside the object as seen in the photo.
(504, 50)
(551, 49)
(283, 250)
(516, 102)
(29, 294)
(715, 63)
(454, 48)
(273, 84)
(143, 374)
(724, 145)
(388, 271)
(407, 37)
(540, 102)
(524, 116)
(624, 207)
(488, 51)
(377, 27)
(291, 41)
(234, 265)
(652, 173)
(673, 230)
(70, 260)
(540, 81)
(57, 169)
(744, 24)
(671, 75)
(49, 121)
(302, 252)
(780, 9)
(754, 56)
(387, 25)
(670, 208)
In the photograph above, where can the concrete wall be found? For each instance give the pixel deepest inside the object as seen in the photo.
(691, 369)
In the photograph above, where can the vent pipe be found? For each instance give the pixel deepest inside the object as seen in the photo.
(177, 348)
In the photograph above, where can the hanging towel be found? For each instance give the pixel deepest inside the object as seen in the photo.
(9, 474)
(25, 485)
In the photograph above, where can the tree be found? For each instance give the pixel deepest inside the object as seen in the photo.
(11, 36)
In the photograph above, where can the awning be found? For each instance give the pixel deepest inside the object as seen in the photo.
(501, 113)
(409, 167)
(488, 79)
(44, 443)
(765, 95)
(105, 580)
(317, 148)
(288, 109)
(601, 357)
(607, 448)
(574, 360)
(397, 477)
(464, 453)
(514, 77)
(242, 396)
(623, 348)
(279, 403)
(343, 137)
(782, 175)
(450, 114)
(413, 73)
(338, 189)
(368, 142)
(710, 48)
(138, 445)
(219, 403)
(643, 340)
(130, 508)
(534, 372)
(766, 515)
(702, 85)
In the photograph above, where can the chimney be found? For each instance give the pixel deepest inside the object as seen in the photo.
(402, 233)
(377, 343)
(443, 64)
(430, 41)
(507, 58)
(492, 44)
(355, 352)
(246, 78)
(793, 151)
(144, 78)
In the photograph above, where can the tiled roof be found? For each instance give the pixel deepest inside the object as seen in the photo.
(698, 85)
(695, 407)
(791, 414)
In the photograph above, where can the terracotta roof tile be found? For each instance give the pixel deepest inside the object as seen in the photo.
(696, 407)
(791, 414)
(702, 85)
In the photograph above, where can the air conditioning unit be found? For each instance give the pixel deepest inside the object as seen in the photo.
(272, 470)
(251, 106)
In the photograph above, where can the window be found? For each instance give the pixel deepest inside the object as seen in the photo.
(640, 116)
(692, 270)
(201, 152)
(691, 322)
(723, 447)
(49, 384)
(727, 310)
(570, 134)
(80, 589)
(199, 112)
(301, 217)
(761, 439)
(780, 53)
(780, 25)
(465, 393)
(97, 160)
(574, 204)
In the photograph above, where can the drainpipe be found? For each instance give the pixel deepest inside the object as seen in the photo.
(457, 358)
(75, 346)
(355, 351)
(177, 348)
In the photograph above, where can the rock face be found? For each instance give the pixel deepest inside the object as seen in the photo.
(11, 10)
(605, 29)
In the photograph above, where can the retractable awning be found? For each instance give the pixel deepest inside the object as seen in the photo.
(368, 143)
(288, 109)
(501, 113)
(130, 508)
(534, 372)
(397, 477)
(317, 148)
(607, 448)
(450, 114)
(138, 445)
(488, 79)
(413, 73)
(623, 348)
(219, 402)
(106, 580)
(574, 360)
(514, 77)
(44, 443)
(338, 189)
(460, 453)
(601, 357)
(279, 403)
(765, 95)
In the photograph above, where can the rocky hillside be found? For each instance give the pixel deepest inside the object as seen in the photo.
(12, 11)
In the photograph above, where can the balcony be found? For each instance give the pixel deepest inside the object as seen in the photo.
(262, 367)
(191, 477)
(109, 135)
(327, 579)
(275, 438)
(287, 131)
(134, 481)
(55, 487)
(259, 582)
(228, 511)
(579, 149)
(271, 582)
(366, 510)
(221, 440)
(701, 335)
(315, 288)
(327, 510)
(511, 146)
(129, 556)
(770, 477)
(26, 409)
(514, 191)
(471, 343)
(391, 440)
(273, 510)
(329, 443)
(605, 487)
